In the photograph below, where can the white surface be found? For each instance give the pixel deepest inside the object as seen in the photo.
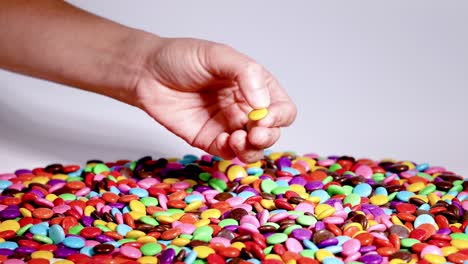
(370, 80)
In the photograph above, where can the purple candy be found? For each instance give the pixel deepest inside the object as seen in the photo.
(167, 256)
(103, 238)
(367, 249)
(54, 181)
(22, 171)
(314, 185)
(9, 214)
(87, 221)
(117, 205)
(64, 252)
(298, 180)
(328, 242)
(283, 162)
(301, 234)
(37, 193)
(6, 252)
(25, 250)
(319, 226)
(371, 259)
(231, 228)
(444, 231)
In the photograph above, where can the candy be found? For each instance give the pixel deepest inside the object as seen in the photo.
(258, 114)
(285, 208)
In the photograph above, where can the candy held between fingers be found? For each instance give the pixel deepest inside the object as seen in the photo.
(285, 208)
(258, 114)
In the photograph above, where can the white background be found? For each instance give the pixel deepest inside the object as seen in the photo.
(370, 79)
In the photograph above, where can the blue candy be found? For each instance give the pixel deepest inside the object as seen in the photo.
(363, 190)
(74, 242)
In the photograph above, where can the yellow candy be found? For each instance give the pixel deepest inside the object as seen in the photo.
(146, 239)
(193, 206)
(268, 204)
(112, 226)
(249, 179)
(210, 213)
(313, 199)
(136, 215)
(171, 180)
(297, 188)
(203, 251)
(180, 242)
(396, 220)
(310, 162)
(88, 210)
(415, 187)
(177, 216)
(273, 256)
(291, 261)
(422, 197)
(238, 245)
(165, 219)
(137, 206)
(236, 171)
(258, 114)
(322, 253)
(304, 195)
(9, 225)
(2, 239)
(60, 177)
(409, 164)
(25, 212)
(434, 259)
(397, 261)
(358, 225)
(324, 210)
(449, 250)
(40, 179)
(202, 222)
(42, 254)
(447, 197)
(51, 197)
(257, 164)
(135, 234)
(223, 165)
(148, 260)
(191, 182)
(64, 261)
(99, 222)
(275, 155)
(379, 199)
(460, 244)
(433, 198)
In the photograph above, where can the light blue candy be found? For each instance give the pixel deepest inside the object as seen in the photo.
(363, 189)
(193, 197)
(246, 194)
(290, 170)
(424, 207)
(332, 260)
(76, 173)
(347, 210)
(404, 196)
(126, 209)
(114, 190)
(254, 171)
(93, 194)
(139, 192)
(191, 257)
(116, 244)
(254, 261)
(165, 242)
(334, 249)
(342, 239)
(88, 251)
(4, 184)
(190, 157)
(9, 245)
(123, 229)
(388, 211)
(74, 242)
(323, 195)
(115, 211)
(381, 190)
(424, 219)
(310, 245)
(282, 183)
(39, 229)
(56, 233)
(422, 167)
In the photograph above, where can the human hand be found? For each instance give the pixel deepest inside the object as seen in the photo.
(203, 91)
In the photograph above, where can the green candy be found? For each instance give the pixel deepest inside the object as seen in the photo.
(353, 199)
(425, 175)
(459, 236)
(204, 176)
(149, 220)
(306, 220)
(133, 165)
(75, 230)
(112, 178)
(187, 236)
(150, 249)
(126, 240)
(409, 242)
(298, 213)
(347, 189)
(392, 196)
(268, 185)
(74, 179)
(334, 167)
(280, 190)
(276, 238)
(428, 189)
(199, 261)
(23, 229)
(173, 211)
(99, 168)
(273, 224)
(268, 250)
(149, 201)
(327, 179)
(43, 239)
(228, 222)
(68, 196)
(217, 184)
(378, 177)
(203, 233)
(456, 188)
(308, 253)
(335, 189)
(103, 228)
(291, 228)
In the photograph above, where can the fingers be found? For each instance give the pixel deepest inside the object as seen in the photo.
(220, 147)
(245, 151)
(226, 62)
(280, 114)
(263, 137)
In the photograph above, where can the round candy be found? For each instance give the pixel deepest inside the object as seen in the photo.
(258, 114)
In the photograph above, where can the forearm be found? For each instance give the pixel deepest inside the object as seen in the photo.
(53, 40)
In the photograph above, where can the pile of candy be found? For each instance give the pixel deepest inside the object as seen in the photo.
(285, 208)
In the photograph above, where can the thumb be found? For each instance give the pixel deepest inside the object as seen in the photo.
(225, 62)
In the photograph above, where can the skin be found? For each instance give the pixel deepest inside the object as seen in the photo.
(200, 90)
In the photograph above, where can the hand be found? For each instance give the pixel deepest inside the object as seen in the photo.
(203, 91)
